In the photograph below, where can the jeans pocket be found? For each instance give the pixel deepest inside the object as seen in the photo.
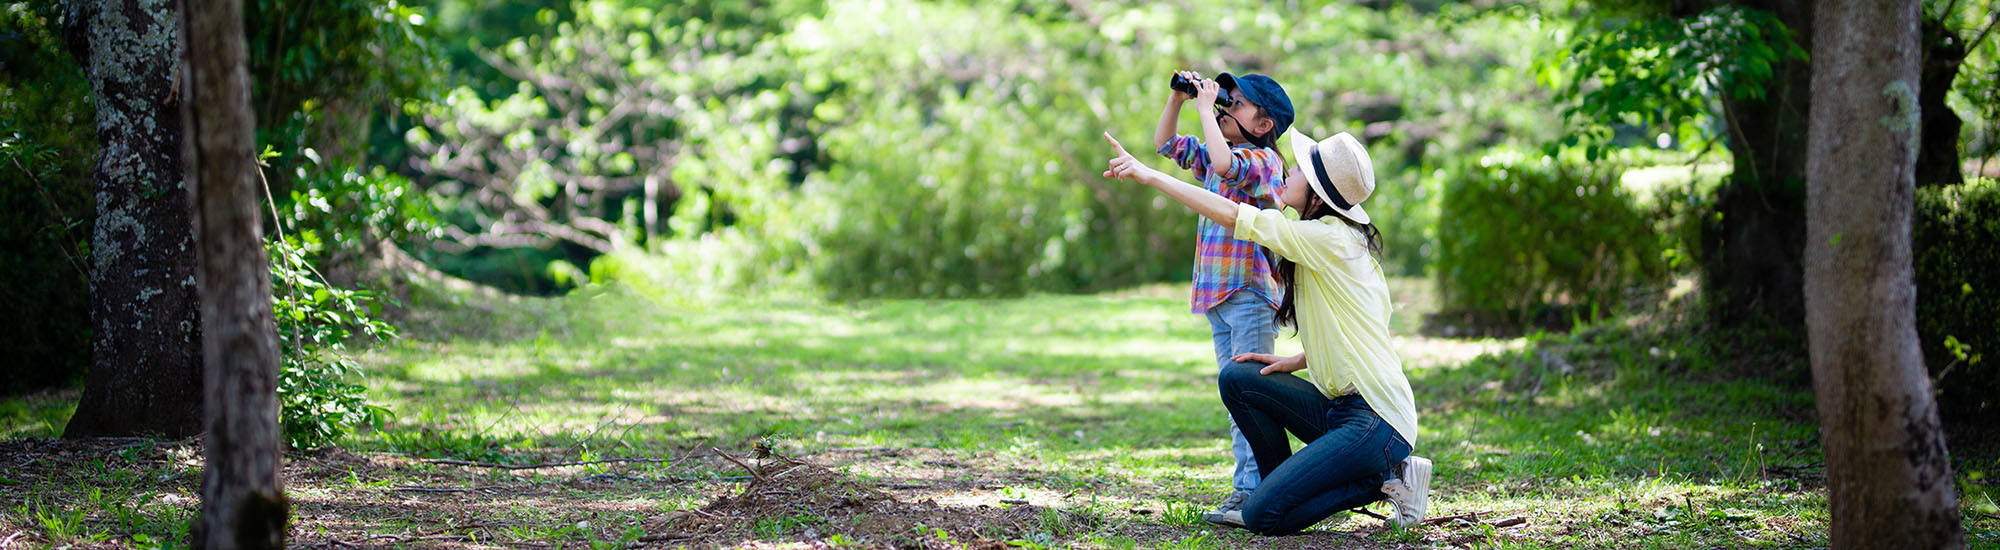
(1390, 449)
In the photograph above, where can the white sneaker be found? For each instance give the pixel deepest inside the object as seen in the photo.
(1410, 491)
(1232, 518)
(1234, 502)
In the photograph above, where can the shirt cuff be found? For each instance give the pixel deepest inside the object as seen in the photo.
(1171, 149)
(1246, 216)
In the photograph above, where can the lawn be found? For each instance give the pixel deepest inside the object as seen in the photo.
(607, 419)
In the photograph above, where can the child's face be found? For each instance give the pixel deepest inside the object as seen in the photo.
(1294, 193)
(1244, 113)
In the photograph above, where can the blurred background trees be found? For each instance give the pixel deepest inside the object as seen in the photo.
(863, 148)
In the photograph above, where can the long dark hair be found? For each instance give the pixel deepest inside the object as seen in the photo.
(1288, 314)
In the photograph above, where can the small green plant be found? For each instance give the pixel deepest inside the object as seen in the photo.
(332, 213)
(777, 528)
(1177, 512)
(319, 399)
(1203, 541)
(60, 525)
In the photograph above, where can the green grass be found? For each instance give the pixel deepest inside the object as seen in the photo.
(1086, 406)
(1111, 395)
(41, 414)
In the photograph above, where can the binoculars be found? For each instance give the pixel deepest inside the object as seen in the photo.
(1183, 85)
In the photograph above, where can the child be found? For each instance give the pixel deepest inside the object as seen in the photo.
(1232, 277)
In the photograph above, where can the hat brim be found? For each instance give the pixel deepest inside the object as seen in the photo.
(1302, 145)
(1226, 81)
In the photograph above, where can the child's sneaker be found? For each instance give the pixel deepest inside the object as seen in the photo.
(1232, 518)
(1409, 491)
(1234, 502)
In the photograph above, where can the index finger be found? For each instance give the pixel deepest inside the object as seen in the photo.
(1115, 144)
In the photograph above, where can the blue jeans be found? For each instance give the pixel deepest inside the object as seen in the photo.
(1243, 323)
(1349, 449)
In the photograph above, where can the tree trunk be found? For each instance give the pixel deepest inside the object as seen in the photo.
(1751, 252)
(1944, 52)
(145, 368)
(1888, 475)
(242, 502)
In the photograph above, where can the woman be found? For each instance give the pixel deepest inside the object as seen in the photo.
(1356, 414)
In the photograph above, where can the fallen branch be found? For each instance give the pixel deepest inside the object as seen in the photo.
(746, 467)
(1365, 512)
(400, 539)
(611, 477)
(439, 489)
(1509, 522)
(545, 465)
(479, 489)
(1474, 516)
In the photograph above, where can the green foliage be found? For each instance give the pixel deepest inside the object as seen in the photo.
(930, 149)
(315, 71)
(320, 398)
(1975, 95)
(1958, 290)
(961, 172)
(1664, 72)
(350, 208)
(323, 70)
(47, 143)
(323, 73)
(1520, 232)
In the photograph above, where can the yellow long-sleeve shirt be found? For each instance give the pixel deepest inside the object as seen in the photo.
(1342, 303)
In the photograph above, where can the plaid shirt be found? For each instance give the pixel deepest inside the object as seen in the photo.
(1224, 264)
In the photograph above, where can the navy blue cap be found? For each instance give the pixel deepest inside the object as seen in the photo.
(1265, 93)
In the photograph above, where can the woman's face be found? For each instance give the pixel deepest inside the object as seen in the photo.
(1296, 191)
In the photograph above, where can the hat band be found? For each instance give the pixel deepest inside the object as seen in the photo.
(1319, 169)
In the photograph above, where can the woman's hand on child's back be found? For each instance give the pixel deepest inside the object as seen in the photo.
(1273, 364)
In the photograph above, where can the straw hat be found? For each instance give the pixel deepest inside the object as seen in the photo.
(1339, 170)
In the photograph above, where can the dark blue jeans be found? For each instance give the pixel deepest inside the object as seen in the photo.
(1347, 456)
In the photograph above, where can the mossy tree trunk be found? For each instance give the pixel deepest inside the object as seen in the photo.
(1888, 474)
(242, 499)
(145, 370)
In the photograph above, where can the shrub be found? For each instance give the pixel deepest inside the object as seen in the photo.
(1954, 240)
(318, 399)
(1518, 233)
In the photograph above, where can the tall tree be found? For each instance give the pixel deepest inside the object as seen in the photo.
(243, 502)
(1751, 249)
(145, 371)
(1888, 474)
